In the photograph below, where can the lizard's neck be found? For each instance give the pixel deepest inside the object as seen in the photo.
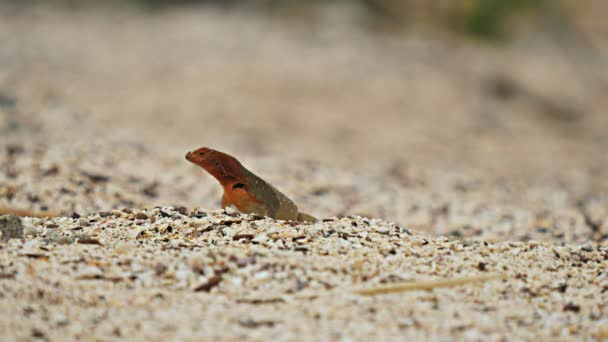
(229, 176)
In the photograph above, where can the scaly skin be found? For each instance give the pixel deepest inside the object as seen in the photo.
(244, 190)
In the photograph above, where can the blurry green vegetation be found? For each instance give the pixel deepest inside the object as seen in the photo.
(484, 19)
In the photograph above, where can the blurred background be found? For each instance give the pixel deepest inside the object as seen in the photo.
(341, 80)
(499, 92)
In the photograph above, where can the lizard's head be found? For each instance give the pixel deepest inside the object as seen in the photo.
(200, 156)
(220, 165)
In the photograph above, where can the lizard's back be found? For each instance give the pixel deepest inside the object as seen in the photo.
(278, 205)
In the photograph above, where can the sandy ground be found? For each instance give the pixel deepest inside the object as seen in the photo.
(429, 158)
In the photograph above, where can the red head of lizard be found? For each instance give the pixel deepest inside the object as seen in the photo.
(225, 168)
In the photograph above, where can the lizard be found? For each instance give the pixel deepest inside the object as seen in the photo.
(243, 189)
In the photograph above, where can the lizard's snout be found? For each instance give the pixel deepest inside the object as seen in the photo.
(188, 156)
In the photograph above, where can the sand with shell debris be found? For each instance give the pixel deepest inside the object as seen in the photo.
(171, 273)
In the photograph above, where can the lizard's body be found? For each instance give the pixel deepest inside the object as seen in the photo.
(243, 189)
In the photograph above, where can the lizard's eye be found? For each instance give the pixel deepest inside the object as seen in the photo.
(201, 154)
(216, 163)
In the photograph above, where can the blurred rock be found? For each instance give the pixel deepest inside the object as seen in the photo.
(11, 227)
(7, 102)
